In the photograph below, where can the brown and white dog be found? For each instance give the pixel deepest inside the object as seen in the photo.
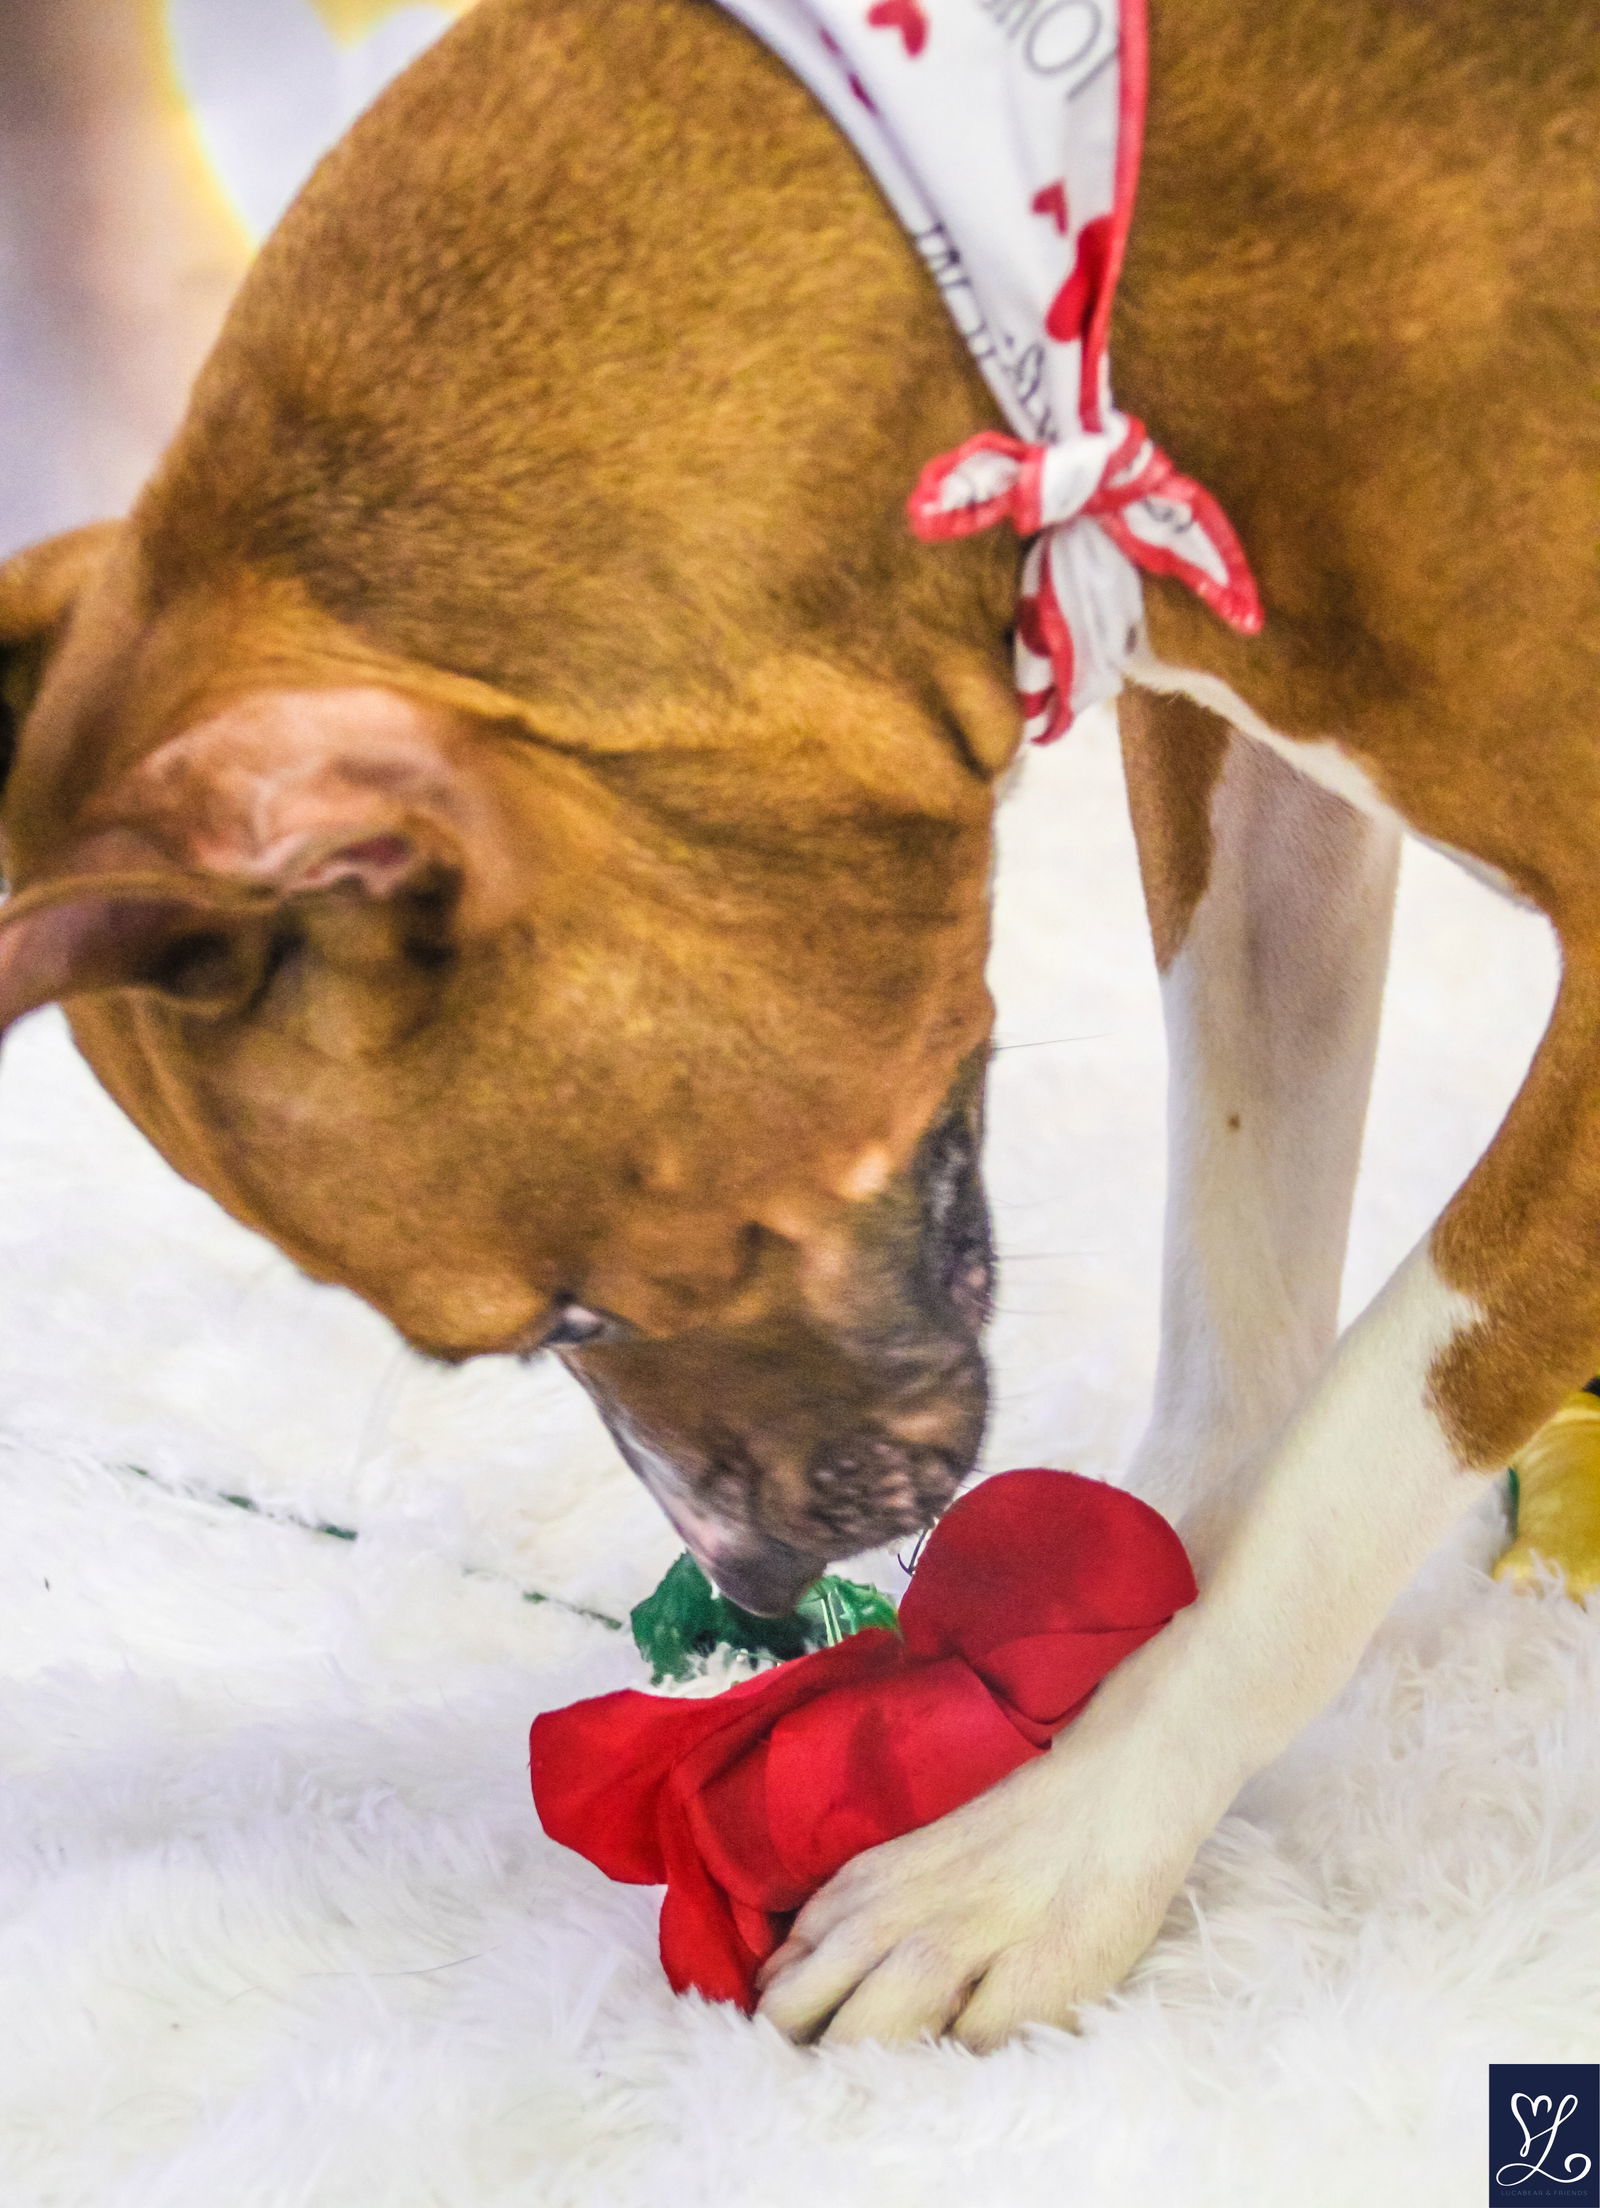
(509, 814)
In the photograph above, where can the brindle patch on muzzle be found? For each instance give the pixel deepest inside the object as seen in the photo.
(814, 1434)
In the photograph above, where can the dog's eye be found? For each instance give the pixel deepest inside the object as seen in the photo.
(281, 956)
(196, 965)
(573, 1326)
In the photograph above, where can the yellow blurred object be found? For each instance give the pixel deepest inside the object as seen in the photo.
(1558, 1500)
(349, 20)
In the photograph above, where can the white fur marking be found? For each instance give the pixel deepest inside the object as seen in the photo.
(1352, 1496)
(1271, 1008)
(1322, 759)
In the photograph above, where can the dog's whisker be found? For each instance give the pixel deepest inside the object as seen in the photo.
(1049, 1042)
(1042, 1257)
(384, 1396)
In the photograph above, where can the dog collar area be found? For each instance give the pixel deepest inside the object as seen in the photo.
(1006, 135)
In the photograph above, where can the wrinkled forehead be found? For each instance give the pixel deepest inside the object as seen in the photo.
(716, 985)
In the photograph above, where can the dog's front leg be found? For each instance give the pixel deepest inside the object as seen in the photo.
(1041, 1895)
(1271, 902)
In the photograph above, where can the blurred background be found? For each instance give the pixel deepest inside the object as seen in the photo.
(146, 146)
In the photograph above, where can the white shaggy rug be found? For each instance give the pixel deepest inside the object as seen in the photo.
(277, 1925)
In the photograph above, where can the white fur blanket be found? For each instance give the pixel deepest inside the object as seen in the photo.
(277, 1924)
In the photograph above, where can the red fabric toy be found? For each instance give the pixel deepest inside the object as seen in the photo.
(1028, 1591)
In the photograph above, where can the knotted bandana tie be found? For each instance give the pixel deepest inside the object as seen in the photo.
(1098, 510)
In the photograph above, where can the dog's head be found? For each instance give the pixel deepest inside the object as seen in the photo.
(536, 1034)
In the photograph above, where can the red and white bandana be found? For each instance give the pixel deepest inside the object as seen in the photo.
(1006, 135)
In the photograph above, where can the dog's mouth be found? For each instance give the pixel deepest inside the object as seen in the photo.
(769, 1583)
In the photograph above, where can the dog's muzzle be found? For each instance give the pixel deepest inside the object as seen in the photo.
(779, 1450)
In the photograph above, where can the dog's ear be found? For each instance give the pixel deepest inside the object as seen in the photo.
(38, 589)
(87, 933)
(307, 790)
(172, 875)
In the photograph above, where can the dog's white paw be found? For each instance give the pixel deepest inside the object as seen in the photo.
(1016, 1909)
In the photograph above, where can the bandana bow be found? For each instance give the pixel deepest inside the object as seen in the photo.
(1099, 505)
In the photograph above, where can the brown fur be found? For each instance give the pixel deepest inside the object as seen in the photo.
(585, 430)
(511, 418)
(1365, 314)
(1172, 753)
